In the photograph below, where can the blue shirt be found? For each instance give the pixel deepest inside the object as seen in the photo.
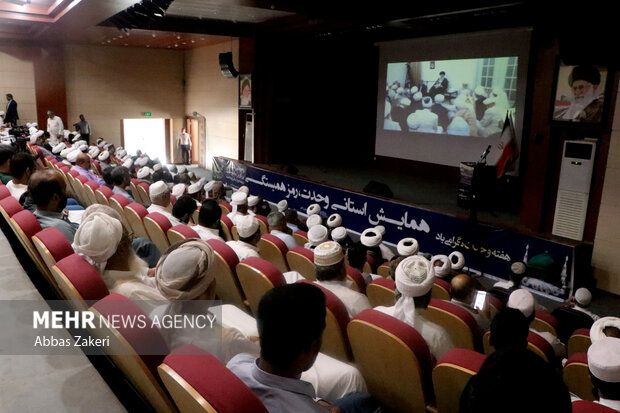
(278, 394)
(57, 220)
(119, 190)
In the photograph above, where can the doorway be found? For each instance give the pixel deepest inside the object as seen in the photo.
(195, 126)
(147, 135)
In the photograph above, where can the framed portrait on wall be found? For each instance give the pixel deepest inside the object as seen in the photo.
(579, 93)
(245, 91)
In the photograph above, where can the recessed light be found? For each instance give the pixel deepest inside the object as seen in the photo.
(193, 41)
(154, 35)
(178, 37)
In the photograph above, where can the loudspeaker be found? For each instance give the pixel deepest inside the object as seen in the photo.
(378, 188)
(226, 65)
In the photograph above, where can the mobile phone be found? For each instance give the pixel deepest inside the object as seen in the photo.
(480, 300)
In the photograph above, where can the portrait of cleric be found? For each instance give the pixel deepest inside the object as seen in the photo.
(580, 94)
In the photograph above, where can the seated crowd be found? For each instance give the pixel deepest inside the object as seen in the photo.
(279, 357)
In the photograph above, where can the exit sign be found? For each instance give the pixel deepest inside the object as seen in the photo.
(147, 113)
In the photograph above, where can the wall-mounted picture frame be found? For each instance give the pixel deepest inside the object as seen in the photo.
(579, 93)
(245, 91)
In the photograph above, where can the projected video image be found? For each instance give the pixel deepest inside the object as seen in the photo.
(467, 97)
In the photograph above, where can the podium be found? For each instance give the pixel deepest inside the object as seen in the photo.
(477, 185)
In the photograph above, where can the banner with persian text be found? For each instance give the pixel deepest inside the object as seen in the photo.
(488, 250)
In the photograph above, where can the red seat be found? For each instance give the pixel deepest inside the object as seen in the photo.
(495, 305)
(441, 289)
(97, 166)
(451, 374)
(9, 206)
(394, 360)
(89, 188)
(458, 322)
(301, 237)
(136, 349)
(157, 226)
(257, 276)
(197, 382)
(335, 339)
(359, 283)
(582, 406)
(577, 376)
(64, 168)
(52, 245)
(27, 222)
(227, 227)
(82, 179)
(273, 249)
(381, 291)
(301, 259)
(173, 199)
(384, 270)
(181, 232)
(263, 223)
(540, 346)
(119, 202)
(4, 192)
(102, 194)
(579, 341)
(227, 286)
(78, 280)
(374, 262)
(134, 214)
(73, 173)
(544, 321)
(225, 207)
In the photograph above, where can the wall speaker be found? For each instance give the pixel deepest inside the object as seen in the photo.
(226, 65)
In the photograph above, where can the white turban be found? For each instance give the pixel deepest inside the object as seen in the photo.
(97, 238)
(83, 147)
(187, 271)
(380, 229)
(104, 156)
(194, 188)
(445, 268)
(339, 234)
(58, 148)
(597, 329)
(414, 278)
(73, 155)
(178, 190)
(282, 205)
(239, 198)
(604, 359)
(370, 238)
(127, 164)
(157, 167)
(583, 296)
(314, 220)
(157, 189)
(247, 226)
(317, 234)
(143, 172)
(334, 220)
(253, 200)
(244, 189)
(427, 102)
(93, 152)
(313, 209)
(457, 260)
(407, 247)
(66, 151)
(523, 301)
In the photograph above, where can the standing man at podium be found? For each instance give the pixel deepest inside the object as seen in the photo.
(185, 144)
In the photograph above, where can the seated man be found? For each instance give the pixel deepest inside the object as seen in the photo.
(183, 209)
(209, 226)
(581, 301)
(159, 193)
(502, 289)
(356, 255)
(317, 234)
(22, 166)
(6, 153)
(121, 180)
(604, 365)
(249, 235)
(331, 273)
(291, 320)
(414, 280)
(239, 202)
(277, 225)
(48, 191)
(82, 166)
(524, 301)
(103, 242)
(464, 294)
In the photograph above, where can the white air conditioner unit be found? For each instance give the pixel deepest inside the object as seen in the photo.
(571, 206)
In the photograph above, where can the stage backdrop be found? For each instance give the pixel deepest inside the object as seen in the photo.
(487, 249)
